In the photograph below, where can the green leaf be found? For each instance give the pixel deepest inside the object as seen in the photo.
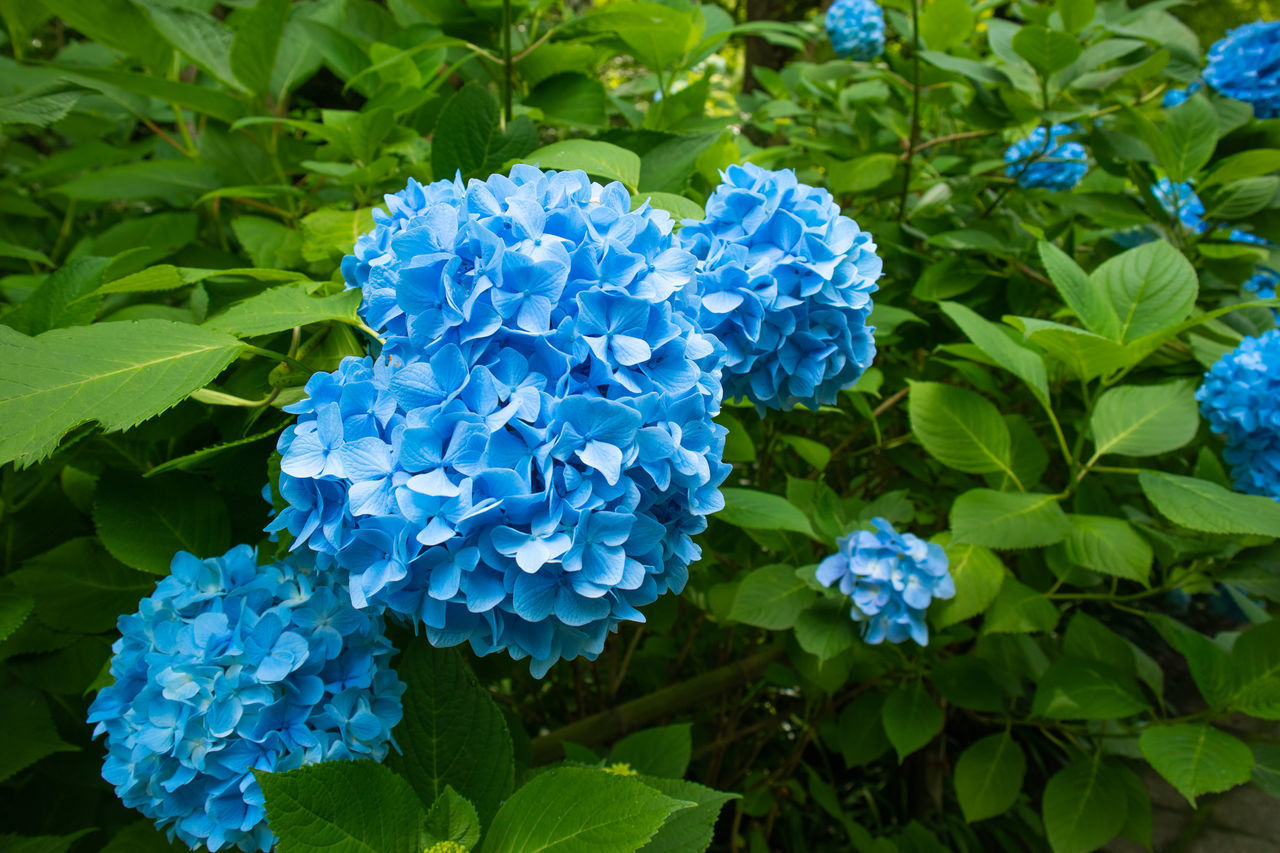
(1266, 767)
(911, 719)
(1003, 349)
(1196, 758)
(80, 588)
(571, 98)
(356, 806)
(214, 103)
(1084, 354)
(976, 71)
(579, 810)
(755, 510)
(452, 733)
(1077, 689)
(771, 597)
(200, 457)
(1108, 545)
(203, 38)
(253, 51)
(1205, 506)
(41, 105)
(1076, 14)
(598, 159)
(465, 133)
(1243, 198)
(1084, 295)
(329, 234)
(978, 575)
(959, 428)
(453, 818)
(657, 35)
(860, 731)
(283, 308)
(1255, 672)
(1085, 805)
(1044, 49)
(63, 299)
(826, 629)
(14, 610)
(688, 830)
(29, 731)
(946, 23)
(1190, 132)
(1019, 609)
(43, 843)
(1150, 287)
(664, 751)
(139, 837)
(148, 179)
(117, 24)
(988, 776)
(1208, 663)
(167, 277)
(1146, 420)
(118, 374)
(1008, 519)
(678, 206)
(144, 522)
(1247, 164)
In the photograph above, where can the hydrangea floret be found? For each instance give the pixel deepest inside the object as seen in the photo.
(1177, 97)
(785, 283)
(890, 577)
(228, 668)
(856, 29)
(524, 464)
(1043, 160)
(1240, 397)
(1245, 65)
(1180, 200)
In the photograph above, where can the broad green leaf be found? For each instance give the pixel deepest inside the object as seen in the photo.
(1247, 164)
(688, 829)
(253, 51)
(988, 776)
(327, 235)
(1191, 133)
(466, 131)
(1019, 609)
(118, 24)
(1266, 767)
(678, 206)
(1044, 49)
(1209, 664)
(1077, 689)
(197, 458)
(860, 733)
(945, 23)
(29, 731)
(656, 34)
(1201, 505)
(862, 173)
(1008, 519)
(1085, 805)
(668, 166)
(80, 588)
(144, 522)
(214, 103)
(1084, 354)
(41, 105)
(771, 597)
(1108, 545)
(826, 629)
(579, 810)
(1076, 14)
(978, 575)
(1255, 672)
(598, 159)
(1243, 198)
(1083, 294)
(452, 733)
(755, 510)
(1148, 420)
(14, 610)
(168, 277)
(118, 374)
(976, 71)
(1150, 288)
(356, 806)
(1003, 349)
(570, 98)
(969, 682)
(959, 428)
(453, 818)
(64, 299)
(283, 308)
(664, 751)
(911, 719)
(1137, 820)
(1196, 758)
(203, 38)
(169, 180)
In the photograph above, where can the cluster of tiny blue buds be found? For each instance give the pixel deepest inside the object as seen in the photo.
(1044, 161)
(785, 284)
(1245, 65)
(1181, 200)
(1177, 97)
(1240, 397)
(227, 668)
(890, 577)
(856, 29)
(523, 465)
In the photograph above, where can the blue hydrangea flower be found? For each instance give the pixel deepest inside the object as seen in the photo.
(230, 667)
(891, 577)
(856, 29)
(524, 464)
(1053, 164)
(1181, 200)
(1240, 397)
(785, 283)
(1245, 65)
(1263, 283)
(1177, 97)
(1238, 236)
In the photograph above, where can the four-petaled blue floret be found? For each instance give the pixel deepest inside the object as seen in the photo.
(1044, 161)
(1245, 65)
(890, 577)
(1177, 97)
(228, 668)
(785, 283)
(524, 464)
(1180, 200)
(1240, 397)
(856, 29)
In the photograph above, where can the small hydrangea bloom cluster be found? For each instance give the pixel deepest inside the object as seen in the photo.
(1043, 161)
(524, 464)
(785, 284)
(856, 29)
(1263, 283)
(1245, 65)
(1180, 200)
(1240, 397)
(228, 668)
(891, 577)
(1177, 97)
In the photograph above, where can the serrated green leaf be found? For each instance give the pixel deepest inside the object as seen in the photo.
(945, 23)
(988, 776)
(1008, 519)
(959, 428)
(1255, 671)
(1108, 545)
(664, 751)
(1196, 758)
(283, 308)
(1085, 805)
(453, 818)
(688, 830)
(256, 42)
(78, 587)
(1085, 296)
(1135, 420)
(1150, 288)
(826, 629)
(771, 597)
(1003, 349)
(1201, 505)
(598, 159)
(14, 610)
(64, 299)
(756, 510)
(144, 522)
(29, 731)
(911, 718)
(1190, 131)
(978, 575)
(1019, 609)
(150, 179)
(1077, 689)
(1044, 49)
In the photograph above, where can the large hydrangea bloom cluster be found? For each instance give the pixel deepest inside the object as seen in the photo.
(856, 29)
(524, 464)
(229, 668)
(1177, 97)
(1043, 161)
(1245, 65)
(891, 577)
(1180, 200)
(1240, 398)
(785, 283)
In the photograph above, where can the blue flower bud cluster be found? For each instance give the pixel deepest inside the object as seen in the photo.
(1245, 65)
(785, 284)
(1043, 161)
(228, 668)
(891, 577)
(524, 464)
(856, 29)
(1181, 200)
(1240, 397)
(1177, 97)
